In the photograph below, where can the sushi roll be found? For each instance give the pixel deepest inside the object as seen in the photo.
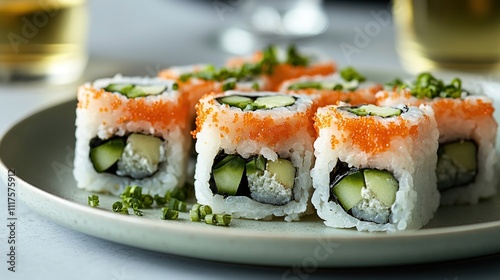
(467, 136)
(197, 80)
(348, 86)
(276, 65)
(374, 168)
(255, 151)
(131, 131)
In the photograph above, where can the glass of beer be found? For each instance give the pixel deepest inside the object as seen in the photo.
(462, 35)
(42, 40)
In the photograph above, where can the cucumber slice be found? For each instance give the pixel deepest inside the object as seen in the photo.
(141, 91)
(223, 162)
(147, 146)
(306, 85)
(284, 171)
(107, 154)
(348, 190)
(228, 176)
(256, 166)
(133, 91)
(274, 101)
(463, 154)
(373, 110)
(236, 101)
(382, 184)
(120, 88)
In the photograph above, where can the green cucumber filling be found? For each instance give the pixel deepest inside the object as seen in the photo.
(265, 181)
(457, 164)
(373, 110)
(252, 103)
(135, 155)
(133, 91)
(366, 194)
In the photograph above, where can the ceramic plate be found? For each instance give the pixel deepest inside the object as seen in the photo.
(41, 150)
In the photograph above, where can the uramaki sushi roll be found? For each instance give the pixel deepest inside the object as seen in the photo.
(467, 137)
(131, 131)
(347, 86)
(374, 167)
(197, 80)
(254, 154)
(279, 65)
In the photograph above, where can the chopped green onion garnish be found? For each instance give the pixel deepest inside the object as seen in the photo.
(137, 212)
(338, 87)
(147, 200)
(247, 71)
(169, 214)
(204, 213)
(118, 208)
(173, 203)
(178, 205)
(93, 200)
(160, 201)
(136, 192)
(351, 74)
(255, 86)
(210, 219)
(182, 206)
(223, 219)
(178, 193)
(218, 219)
(294, 58)
(175, 86)
(427, 86)
(269, 60)
(205, 210)
(229, 84)
(194, 213)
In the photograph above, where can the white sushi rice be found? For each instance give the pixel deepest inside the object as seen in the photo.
(411, 160)
(456, 125)
(211, 140)
(97, 119)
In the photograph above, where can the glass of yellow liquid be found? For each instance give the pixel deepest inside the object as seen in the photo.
(42, 40)
(462, 35)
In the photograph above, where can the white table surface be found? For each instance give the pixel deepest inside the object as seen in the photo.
(141, 37)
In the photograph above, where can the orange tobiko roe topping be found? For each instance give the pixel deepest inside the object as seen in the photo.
(446, 107)
(201, 116)
(382, 95)
(368, 133)
(159, 112)
(270, 131)
(285, 71)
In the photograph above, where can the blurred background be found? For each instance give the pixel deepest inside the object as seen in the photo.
(205, 31)
(451, 35)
